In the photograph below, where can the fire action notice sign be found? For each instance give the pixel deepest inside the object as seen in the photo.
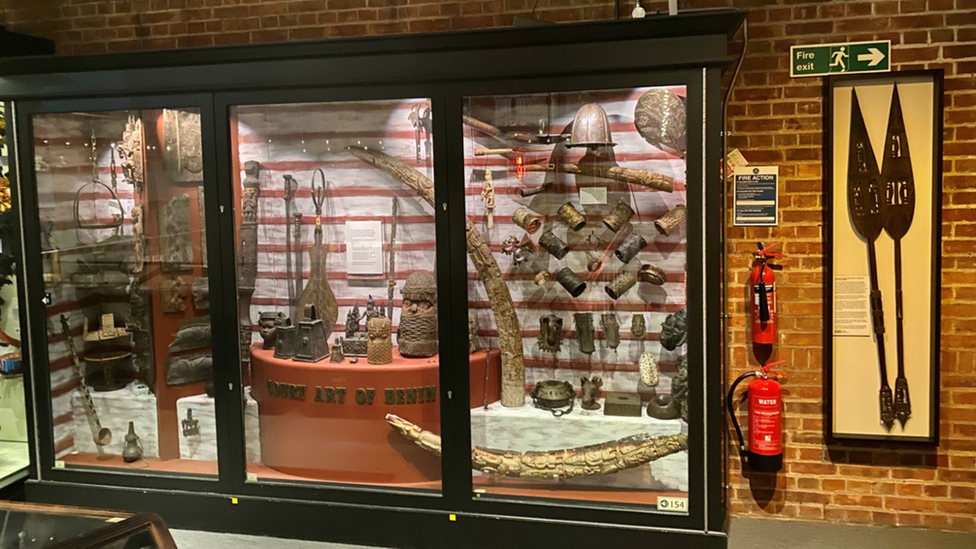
(756, 191)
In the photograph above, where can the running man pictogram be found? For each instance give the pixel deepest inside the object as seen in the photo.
(837, 58)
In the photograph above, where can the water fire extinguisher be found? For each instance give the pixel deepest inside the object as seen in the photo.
(762, 297)
(765, 449)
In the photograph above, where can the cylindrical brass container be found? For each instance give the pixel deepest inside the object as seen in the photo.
(619, 285)
(584, 332)
(573, 284)
(618, 216)
(652, 274)
(638, 327)
(629, 247)
(672, 219)
(526, 220)
(553, 244)
(611, 330)
(569, 215)
(542, 277)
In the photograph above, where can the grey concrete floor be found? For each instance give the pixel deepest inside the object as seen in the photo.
(745, 534)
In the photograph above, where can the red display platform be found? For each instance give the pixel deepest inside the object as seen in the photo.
(327, 421)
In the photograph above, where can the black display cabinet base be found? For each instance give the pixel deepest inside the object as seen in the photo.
(357, 524)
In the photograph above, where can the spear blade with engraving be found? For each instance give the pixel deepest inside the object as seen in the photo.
(865, 198)
(899, 211)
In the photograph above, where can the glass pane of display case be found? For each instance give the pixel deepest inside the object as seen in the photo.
(336, 286)
(120, 204)
(580, 200)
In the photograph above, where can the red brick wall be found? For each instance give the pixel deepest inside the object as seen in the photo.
(773, 120)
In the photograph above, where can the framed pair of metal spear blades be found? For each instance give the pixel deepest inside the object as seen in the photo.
(882, 231)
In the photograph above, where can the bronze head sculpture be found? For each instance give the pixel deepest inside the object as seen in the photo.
(417, 332)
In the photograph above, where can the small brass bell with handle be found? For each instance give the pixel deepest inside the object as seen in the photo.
(132, 451)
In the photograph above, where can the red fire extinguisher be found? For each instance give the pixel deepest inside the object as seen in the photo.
(762, 296)
(765, 449)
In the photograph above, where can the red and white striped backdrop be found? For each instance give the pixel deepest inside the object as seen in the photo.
(617, 368)
(296, 139)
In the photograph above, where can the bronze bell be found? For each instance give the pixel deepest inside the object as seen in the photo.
(312, 341)
(132, 450)
(591, 127)
(285, 340)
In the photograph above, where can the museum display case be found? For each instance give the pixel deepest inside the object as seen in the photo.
(120, 202)
(343, 259)
(597, 179)
(405, 279)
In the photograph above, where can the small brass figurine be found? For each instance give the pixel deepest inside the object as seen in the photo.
(591, 392)
(336, 356)
(352, 321)
(191, 427)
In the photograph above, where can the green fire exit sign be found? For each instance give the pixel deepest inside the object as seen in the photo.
(851, 57)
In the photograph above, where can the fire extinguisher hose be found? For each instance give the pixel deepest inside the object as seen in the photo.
(728, 403)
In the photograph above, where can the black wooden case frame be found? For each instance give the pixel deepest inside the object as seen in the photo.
(831, 188)
(689, 50)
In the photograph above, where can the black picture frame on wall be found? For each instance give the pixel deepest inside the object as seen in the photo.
(845, 372)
